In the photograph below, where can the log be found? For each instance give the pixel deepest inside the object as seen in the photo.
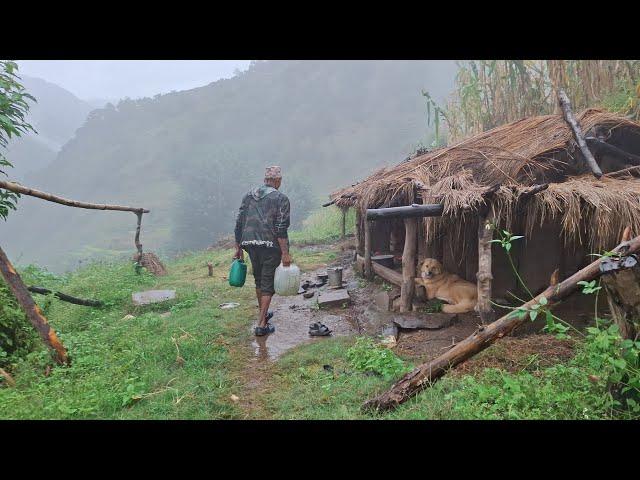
(408, 264)
(367, 250)
(343, 232)
(66, 298)
(484, 276)
(32, 311)
(565, 104)
(427, 373)
(388, 274)
(612, 150)
(16, 188)
(413, 211)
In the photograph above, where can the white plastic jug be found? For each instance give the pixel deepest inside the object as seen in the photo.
(287, 280)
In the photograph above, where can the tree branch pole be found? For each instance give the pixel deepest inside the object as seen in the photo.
(32, 311)
(66, 298)
(409, 264)
(137, 239)
(19, 189)
(605, 147)
(484, 276)
(427, 373)
(565, 104)
(16, 188)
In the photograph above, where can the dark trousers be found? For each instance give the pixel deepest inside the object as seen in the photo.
(264, 262)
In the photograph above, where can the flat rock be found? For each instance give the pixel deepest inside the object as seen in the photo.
(333, 298)
(391, 331)
(428, 321)
(152, 296)
(383, 301)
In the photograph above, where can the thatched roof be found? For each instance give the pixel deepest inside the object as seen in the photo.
(528, 152)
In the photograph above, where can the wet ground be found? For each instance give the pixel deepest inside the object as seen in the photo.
(293, 316)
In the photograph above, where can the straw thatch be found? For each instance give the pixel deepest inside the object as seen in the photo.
(528, 152)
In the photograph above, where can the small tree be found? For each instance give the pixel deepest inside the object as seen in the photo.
(13, 109)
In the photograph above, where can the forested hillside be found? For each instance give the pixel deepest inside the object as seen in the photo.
(56, 115)
(189, 156)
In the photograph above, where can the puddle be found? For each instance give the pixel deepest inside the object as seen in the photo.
(293, 315)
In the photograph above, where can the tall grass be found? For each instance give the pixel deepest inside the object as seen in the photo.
(324, 226)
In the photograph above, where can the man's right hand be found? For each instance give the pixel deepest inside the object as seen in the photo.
(286, 259)
(239, 253)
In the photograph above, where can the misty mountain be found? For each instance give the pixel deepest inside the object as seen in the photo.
(190, 156)
(56, 115)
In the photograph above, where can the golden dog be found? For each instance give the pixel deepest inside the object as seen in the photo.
(460, 294)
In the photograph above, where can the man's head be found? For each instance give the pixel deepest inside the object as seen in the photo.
(273, 176)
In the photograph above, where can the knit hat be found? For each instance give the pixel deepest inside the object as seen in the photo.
(273, 172)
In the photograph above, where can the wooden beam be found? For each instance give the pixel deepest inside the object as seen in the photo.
(424, 375)
(565, 104)
(388, 274)
(329, 203)
(137, 238)
(32, 311)
(413, 211)
(368, 273)
(408, 264)
(613, 150)
(15, 188)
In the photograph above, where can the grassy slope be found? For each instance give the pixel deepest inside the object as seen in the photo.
(128, 369)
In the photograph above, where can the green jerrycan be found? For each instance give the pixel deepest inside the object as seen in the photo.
(238, 273)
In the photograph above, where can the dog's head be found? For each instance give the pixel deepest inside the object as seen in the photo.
(430, 269)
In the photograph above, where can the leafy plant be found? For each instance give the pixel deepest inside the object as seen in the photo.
(367, 356)
(13, 108)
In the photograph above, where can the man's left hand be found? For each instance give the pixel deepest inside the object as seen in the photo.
(286, 259)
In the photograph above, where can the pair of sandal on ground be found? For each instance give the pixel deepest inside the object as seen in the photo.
(316, 329)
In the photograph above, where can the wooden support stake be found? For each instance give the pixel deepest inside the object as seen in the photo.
(484, 275)
(33, 312)
(137, 238)
(210, 267)
(343, 232)
(424, 375)
(368, 271)
(565, 104)
(408, 264)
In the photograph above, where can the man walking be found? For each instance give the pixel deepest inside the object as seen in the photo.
(261, 230)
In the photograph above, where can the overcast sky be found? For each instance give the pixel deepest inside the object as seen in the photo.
(115, 79)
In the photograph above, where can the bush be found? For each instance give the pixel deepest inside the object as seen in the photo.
(17, 336)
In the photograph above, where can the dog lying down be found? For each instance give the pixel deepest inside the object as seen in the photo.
(460, 295)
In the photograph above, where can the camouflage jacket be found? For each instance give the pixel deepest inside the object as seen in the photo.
(263, 218)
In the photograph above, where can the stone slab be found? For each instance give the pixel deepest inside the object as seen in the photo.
(334, 298)
(152, 296)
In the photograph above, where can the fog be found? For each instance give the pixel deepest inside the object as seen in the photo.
(190, 156)
(93, 80)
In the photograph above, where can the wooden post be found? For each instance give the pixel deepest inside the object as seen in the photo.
(408, 264)
(33, 312)
(359, 233)
(484, 275)
(137, 239)
(344, 223)
(368, 271)
(210, 267)
(426, 374)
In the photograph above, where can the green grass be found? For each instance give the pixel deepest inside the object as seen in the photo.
(324, 226)
(188, 365)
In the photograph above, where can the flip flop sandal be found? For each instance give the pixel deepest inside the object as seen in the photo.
(269, 315)
(315, 326)
(321, 331)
